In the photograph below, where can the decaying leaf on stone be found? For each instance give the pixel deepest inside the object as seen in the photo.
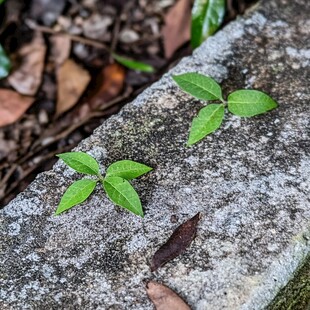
(177, 243)
(72, 81)
(26, 79)
(164, 298)
(12, 106)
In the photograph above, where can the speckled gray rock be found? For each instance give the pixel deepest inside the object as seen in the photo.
(250, 180)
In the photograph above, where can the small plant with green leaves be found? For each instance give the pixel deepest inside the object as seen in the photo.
(115, 183)
(244, 103)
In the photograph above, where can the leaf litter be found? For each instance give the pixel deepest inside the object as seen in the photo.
(27, 77)
(72, 80)
(109, 83)
(60, 48)
(177, 27)
(12, 106)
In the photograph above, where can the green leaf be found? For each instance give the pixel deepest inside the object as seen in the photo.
(121, 192)
(207, 17)
(199, 86)
(75, 194)
(5, 64)
(1, 1)
(208, 120)
(80, 162)
(133, 64)
(250, 102)
(127, 169)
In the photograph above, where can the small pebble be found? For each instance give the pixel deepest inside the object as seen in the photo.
(96, 26)
(128, 36)
(43, 117)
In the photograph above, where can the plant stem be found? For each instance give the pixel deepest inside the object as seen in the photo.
(101, 178)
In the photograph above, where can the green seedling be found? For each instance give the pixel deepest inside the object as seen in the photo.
(115, 183)
(244, 103)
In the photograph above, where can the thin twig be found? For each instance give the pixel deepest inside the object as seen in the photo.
(4, 165)
(34, 26)
(117, 26)
(7, 175)
(116, 29)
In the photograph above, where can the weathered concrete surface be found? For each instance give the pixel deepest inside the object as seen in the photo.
(250, 180)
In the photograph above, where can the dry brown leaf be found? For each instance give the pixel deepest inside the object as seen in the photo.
(27, 78)
(164, 298)
(60, 48)
(177, 243)
(12, 106)
(72, 81)
(109, 84)
(177, 27)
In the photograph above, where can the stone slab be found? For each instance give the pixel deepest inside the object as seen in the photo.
(250, 180)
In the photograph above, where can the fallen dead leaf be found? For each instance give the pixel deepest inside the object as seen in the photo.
(60, 48)
(72, 81)
(176, 244)
(164, 298)
(176, 30)
(109, 84)
(27, 78)
(12, 106)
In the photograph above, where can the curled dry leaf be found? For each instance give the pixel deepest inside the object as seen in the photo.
(164, 298)
(177, 27)
(60, 48)
(26, 79)
(177, 243)
(12, 106)
(72, 81)
(109, 84)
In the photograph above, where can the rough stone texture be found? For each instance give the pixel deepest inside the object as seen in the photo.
(250, 180)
